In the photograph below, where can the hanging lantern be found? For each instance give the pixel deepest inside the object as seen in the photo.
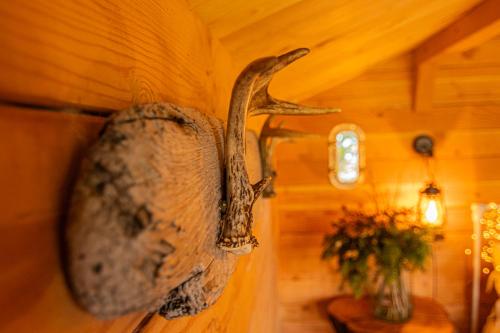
(431, 209)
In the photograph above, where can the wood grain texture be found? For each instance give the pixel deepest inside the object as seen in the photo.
(224, 18)
(100, 56)
(41, 152)
(345, 37)
(427, 317)
(423, 85)
(473, 29)
(147, 198)
(111, 55)
(465, 96)
(237, 310)
(40, 155)
(464, 121)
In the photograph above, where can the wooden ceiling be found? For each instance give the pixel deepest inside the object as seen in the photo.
(346, 37)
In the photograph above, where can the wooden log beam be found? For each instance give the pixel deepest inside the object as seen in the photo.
(423, 85)
(476, 27)
(111, 55)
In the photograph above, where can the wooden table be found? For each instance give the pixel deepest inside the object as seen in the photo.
(356, 316)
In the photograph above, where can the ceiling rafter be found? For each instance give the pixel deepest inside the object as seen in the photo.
(477, 26)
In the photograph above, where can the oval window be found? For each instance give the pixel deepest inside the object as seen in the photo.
(346, 155)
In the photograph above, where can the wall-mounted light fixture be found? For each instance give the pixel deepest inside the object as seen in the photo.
(431, 209)
(430, 205)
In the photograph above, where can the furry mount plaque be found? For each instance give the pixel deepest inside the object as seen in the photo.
(163, 203)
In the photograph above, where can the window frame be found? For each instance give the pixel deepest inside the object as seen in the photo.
(332, 155)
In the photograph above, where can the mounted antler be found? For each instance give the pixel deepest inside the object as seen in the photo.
(268, 139)
(250, 96)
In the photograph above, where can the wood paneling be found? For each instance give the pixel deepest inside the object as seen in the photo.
(306, 172)
(465, 123)
(224, 18)
(109, 55)
(466, 96)
(308, 220)
(101, 56)
(450, 145)
(473, 29)
(326, 197)
(346, 37)
(40, 154)
(476, 27)
(305, 280)
(372, 119)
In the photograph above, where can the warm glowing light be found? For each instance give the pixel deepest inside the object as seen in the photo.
(490, 238)
(431, 212)
(431, 207)
(346, 155)
(468, 252)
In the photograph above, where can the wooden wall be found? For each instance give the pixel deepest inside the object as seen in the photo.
(465, 122)
(64, 66)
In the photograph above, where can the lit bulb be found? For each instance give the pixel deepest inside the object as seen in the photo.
(431, 212)
(431, 207)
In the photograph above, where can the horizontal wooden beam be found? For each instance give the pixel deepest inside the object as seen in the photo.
(111, 56)
(477, 26)
(345, 38)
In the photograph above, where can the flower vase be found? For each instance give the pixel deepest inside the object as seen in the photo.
(392, 300)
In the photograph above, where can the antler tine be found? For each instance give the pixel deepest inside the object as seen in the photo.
(280, 62)
(275, 106)
(267, 131)
(235, 232)
(263, 103)
(283, 133)
(266, 127)
(250, 96)
(267, 143)
(287, 58)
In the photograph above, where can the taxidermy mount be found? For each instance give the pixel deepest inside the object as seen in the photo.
(163, 203)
